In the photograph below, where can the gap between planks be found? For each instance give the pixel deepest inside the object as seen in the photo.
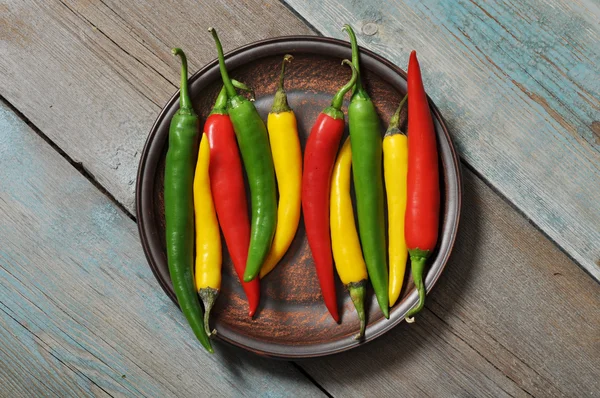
(90, 177)
(76, 165)
(297, 365)
(458, 42)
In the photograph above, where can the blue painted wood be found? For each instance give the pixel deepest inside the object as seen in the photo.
(29, 368)
(510, 316)
(480, 334)
(519, 84)
(80, 311)
(107, 69)
(77, 296)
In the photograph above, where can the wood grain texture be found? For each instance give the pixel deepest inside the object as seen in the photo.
(30, 368)
(519, 85)
(95, 77)
(81, 313)
(510, 316)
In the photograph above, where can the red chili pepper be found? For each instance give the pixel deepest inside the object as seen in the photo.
(319, 158)
(423, 189)
(229, 194)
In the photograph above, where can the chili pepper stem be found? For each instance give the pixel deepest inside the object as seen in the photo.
(358, 88)
(220, 107)
(184, 99)
(208, 296)
(394, 126)
(338, 98)
(280, 103)
(357, 292)
(224, 74)
(335, 109)
(418, 258)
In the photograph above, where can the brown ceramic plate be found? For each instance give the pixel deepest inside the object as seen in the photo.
(292, 321)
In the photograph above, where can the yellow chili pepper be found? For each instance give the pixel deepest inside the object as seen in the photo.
(345, 244)
(395, 167)
(208, 237)
(287, 159)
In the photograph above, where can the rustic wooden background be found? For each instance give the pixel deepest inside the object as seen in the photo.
(516, 313)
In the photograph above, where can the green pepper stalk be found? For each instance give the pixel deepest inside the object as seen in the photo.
(366, 142)
(220, 107)
(179, 206)
(280, 103)
(253, 141)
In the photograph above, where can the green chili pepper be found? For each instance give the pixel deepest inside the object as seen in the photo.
(366, 143)
(179, 206)
(253, 141)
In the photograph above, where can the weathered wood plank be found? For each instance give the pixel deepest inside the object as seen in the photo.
(94, 78)
(29, 368)
(472, 339)
(456, 352)
(76, 291)
(511, 316)
(518, 83)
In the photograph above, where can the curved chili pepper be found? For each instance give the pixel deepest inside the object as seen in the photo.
(287, 158)
(347, 253)
(319, 156)
(366, 145)
(423, 185)
(208, 236)
(229, 193)
(179, 207)
(395, 164)
(253, 141)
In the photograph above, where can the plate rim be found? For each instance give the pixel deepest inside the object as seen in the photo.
(144, 199)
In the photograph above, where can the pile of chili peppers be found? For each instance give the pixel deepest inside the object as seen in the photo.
(205, 194)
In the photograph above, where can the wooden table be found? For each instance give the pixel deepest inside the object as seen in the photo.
(517, 311)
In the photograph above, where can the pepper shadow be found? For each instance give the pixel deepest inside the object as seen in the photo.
(243, 364)
(417, 342)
